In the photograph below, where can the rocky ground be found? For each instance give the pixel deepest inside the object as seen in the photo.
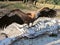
(39, 34)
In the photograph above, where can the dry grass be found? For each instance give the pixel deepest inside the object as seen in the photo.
(28, 6)
(48, 5)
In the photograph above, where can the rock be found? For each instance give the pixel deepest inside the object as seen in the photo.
(40, 26)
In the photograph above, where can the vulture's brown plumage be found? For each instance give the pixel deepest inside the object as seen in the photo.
(20, 17)
(16, 16)
(46, 12)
